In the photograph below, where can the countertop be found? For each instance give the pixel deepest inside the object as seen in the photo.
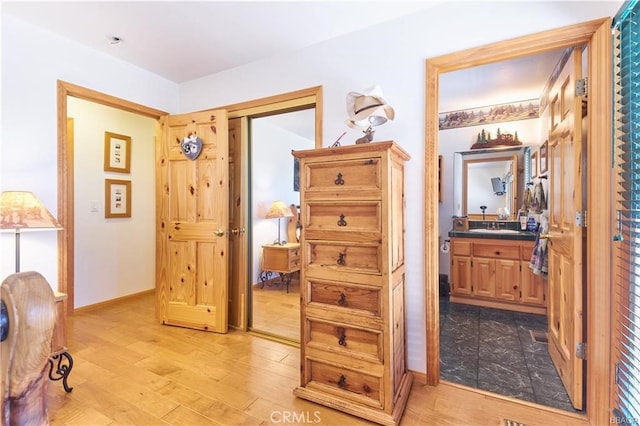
(493, 235)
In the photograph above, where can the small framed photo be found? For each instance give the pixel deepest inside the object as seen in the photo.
(117, 201)
(117, 153)
(544, 166)
(533, 166)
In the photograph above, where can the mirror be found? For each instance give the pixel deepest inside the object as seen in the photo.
(275, 296)
(490, 180)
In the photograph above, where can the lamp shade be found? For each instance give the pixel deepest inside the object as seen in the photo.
(279, 209)
(21, 210)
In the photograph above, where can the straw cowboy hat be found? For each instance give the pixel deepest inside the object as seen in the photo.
(368, 109)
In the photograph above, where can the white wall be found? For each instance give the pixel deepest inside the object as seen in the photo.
(114, 257)
(392, 55)
(32, 62)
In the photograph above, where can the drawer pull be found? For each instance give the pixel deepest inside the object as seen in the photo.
(340, 260)
(342, 337)
(342, 382)
(339, 180)
(342, 222)
(343, 300)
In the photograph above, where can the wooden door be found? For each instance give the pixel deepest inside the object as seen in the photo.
(237, 223)
(565, 160)
(531, 285)
(461, 275)
(484, 277)
(508, 279)
(192, 217)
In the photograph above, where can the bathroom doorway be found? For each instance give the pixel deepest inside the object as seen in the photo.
(596, 36)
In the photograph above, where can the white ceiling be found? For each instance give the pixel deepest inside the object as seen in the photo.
(182, 40)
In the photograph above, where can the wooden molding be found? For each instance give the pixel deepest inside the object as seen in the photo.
(596, 34)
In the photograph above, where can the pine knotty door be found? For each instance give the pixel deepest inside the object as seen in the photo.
(192, 217)
(565, 237)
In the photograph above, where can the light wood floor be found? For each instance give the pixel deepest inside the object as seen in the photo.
(131, 370)
(275, 311)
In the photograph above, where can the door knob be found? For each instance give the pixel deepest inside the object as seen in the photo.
(237, 231)
(544, 236)
(219, 233)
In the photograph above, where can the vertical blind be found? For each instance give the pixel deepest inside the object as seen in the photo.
(626, 392)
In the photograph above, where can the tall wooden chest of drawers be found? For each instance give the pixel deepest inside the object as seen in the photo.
(353, 345)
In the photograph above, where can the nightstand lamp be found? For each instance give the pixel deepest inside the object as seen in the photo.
(21, 211)
(279, 210)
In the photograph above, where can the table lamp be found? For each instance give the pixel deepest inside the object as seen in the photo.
(21, 211)
(278, 210)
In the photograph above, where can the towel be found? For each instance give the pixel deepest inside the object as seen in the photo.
(539, 259)
(539, 200)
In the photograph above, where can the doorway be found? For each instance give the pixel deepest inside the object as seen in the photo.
(493, 336)
(237, 113)
(597, 36)
(245, 254)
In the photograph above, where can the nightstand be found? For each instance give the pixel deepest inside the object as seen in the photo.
(283, 259)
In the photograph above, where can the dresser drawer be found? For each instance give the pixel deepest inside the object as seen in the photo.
(366, 300)
(460, 248)
(343, 220)
(348, 257)
(355, 342)
(347, 383)
(527, 250)
(344, 176)
(496, 250)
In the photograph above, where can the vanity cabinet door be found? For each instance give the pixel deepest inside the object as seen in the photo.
(508, 283)
(533, 287)
(461, 275)
(484, 277)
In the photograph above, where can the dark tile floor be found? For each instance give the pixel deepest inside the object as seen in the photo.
(493, 350)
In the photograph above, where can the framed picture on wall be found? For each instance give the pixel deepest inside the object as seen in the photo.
(117, 153)
(544, 166)
(117, 198)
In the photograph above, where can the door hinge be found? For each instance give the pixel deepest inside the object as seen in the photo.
(581, 350)
(581, 219)
(617, 373)
(582, 88)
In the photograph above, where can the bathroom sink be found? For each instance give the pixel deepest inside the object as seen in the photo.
(495, 231)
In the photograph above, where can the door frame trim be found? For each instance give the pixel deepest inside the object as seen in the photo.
(596, 34)
(285, 102)
(66, 247)
(65, 164)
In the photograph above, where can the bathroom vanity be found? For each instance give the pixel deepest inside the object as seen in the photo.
(491, 268)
